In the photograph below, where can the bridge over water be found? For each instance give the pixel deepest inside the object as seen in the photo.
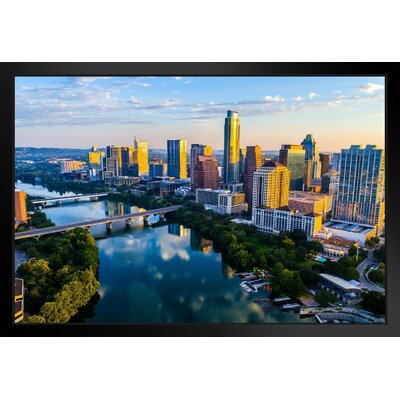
(58, 200)
(37, 233)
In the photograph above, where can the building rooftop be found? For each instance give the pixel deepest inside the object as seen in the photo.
(339, 282)
(348, 226)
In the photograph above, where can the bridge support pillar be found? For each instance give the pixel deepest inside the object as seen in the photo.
(58, 203)
(128, 222)
(109, 226)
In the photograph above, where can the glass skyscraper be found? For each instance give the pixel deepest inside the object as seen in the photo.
(293, 157)
(176, 154)
(198, 150)
(141, 156)
(231, 147)
(312, 153)
(360, 193)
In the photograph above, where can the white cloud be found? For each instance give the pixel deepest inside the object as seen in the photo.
(312, 95)
(275, 99)
(178, 78)
(298, 98)
(187, 82)
(370, 88)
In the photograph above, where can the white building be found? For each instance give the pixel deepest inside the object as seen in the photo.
(275, 220)
(221, 201)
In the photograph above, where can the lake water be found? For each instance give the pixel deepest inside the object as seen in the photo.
(164, 274)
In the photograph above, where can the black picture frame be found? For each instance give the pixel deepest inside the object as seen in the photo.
(391, 72)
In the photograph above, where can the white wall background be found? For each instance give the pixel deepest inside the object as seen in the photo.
(192, 368)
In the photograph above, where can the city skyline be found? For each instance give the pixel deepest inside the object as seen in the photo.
(83, 111)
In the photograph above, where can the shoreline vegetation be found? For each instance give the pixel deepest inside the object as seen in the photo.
(61, 275)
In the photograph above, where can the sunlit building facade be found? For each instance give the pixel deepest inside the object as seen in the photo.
(293, 157)
(271, 185)
(95, 158)
(231, 147)
(141, 156)
(176, 154)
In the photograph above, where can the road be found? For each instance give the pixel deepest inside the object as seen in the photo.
(365, 283)
(86, 224)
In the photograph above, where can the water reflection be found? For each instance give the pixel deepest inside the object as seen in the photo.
(164, 274)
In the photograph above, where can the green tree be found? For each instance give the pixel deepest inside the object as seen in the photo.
(324, 298)
(373, 302)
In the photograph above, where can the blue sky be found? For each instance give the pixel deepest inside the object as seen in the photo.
(83, 111)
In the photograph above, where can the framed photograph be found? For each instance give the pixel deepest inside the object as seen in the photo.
(200, 199)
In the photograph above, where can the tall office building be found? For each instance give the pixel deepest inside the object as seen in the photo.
(127, 160)
(242, 163)
(141, 156)
(95, 158)
(195, 151)
(231, 147)
(271, 186)
(252, 163)
(176, 154)
(360, 193)
(205, 173)
(293, 157)
(20, 205)
(312, 153)
(326, 160)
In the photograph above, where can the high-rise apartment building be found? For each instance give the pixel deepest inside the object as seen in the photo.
(271, 185)
(252, 163)
(176, 154)
(20, 205)
(195, 151)
(231, 147)
(205, 173)
(141, 156)
(360, 192)
(293, 157)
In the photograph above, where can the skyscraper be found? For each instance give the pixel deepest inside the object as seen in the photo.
(360, 192)
(176, 154)
(293, 157)
(242, 162)
(271, 185)
(252, 163)
(205, 174)
(141, 156)
(198, 150)
(326, 160)
(231, 147)
(312, 153)
(127, 160)
(95, 158)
